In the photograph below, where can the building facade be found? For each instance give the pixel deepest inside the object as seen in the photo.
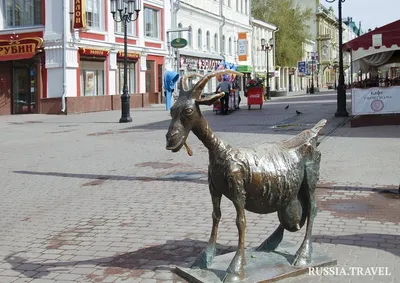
(215, 30)
(266, 31)
(67, 55)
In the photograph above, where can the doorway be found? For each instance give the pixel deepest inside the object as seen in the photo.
(24, 90)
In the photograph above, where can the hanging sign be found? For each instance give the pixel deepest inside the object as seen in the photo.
(79, 14)
(242, 46)
(179, 43)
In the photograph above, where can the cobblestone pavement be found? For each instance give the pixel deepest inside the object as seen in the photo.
(86, 199)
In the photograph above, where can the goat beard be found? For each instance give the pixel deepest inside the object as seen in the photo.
(188, 149)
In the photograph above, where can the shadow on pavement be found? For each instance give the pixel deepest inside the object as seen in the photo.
(132, 264)
(97, 179)
(364, 240)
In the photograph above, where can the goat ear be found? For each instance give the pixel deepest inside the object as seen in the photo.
(209, 98)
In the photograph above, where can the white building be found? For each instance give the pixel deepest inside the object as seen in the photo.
(214, 31)
(266, 31)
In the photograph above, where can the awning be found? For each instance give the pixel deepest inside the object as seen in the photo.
(383, 39)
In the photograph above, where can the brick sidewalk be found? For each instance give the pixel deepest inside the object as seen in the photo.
(86, 199)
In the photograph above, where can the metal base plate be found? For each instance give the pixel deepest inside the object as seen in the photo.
(261, 266)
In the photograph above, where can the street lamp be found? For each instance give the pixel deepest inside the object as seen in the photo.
(266, 47)
(341, 91)
(313, 57)
(125, 11)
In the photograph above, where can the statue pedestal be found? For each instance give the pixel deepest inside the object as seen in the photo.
(261, 266)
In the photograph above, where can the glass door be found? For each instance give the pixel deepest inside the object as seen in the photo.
(24, 90)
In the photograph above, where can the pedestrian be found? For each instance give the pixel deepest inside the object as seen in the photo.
(236, 87)
(224, 86)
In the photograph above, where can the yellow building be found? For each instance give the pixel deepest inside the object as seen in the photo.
(327, 46)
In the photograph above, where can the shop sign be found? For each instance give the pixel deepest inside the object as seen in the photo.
(19, 49)
(179, 43)
(130, 55)
(377, 100)
(242, 46)
(94, 52)
(79, 14)
(207, 64)
(193, 63)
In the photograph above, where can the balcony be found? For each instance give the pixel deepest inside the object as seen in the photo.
(324, 37)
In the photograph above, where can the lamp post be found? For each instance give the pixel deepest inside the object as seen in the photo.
(313, 56)
(125, 11)
(341, 91)
(266, 47)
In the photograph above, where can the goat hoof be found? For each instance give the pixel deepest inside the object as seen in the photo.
(205, 259)
(301, 260)
(230, 277)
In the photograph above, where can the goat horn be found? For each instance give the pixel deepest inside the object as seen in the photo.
(187, 76)
(202, 83)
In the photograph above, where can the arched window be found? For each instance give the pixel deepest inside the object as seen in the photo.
(190, 36)
(208, 40)
(216, 42)
(199, 39)
(223, 44)
(180, 33)
(230, 45)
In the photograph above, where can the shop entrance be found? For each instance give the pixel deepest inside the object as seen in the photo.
(24, 89)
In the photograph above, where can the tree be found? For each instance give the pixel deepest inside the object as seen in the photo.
(293, 28)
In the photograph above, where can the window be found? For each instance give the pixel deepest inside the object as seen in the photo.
(208, 40)
(151, 23)
(216, 42)
(199, 39)
(94, 14)
(245, 7)
(23, 13)
(237, 5)
(230, 45)
(92, 78)
(241, 6)
(119, 27)
(223, 45)
(229, 3)
(131, 77)
(180, 33)
(190, 37)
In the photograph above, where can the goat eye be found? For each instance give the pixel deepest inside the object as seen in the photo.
(188, 111)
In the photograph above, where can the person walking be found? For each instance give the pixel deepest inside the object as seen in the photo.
(236, 87)
(224, 86)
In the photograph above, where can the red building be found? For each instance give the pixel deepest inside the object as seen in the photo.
(67, 56)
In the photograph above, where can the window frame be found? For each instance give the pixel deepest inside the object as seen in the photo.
(158, 12)
(36, 14)
(100, 6)
(132, 83)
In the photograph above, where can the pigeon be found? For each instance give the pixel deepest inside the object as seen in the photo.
(287, 107)
(298, 112)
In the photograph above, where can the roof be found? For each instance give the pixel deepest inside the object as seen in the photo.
(390, 35)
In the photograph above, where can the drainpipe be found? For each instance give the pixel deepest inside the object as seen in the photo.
(221, 28)
(64, 43)
(274, 58)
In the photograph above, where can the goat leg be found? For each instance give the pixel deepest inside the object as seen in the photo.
(303, 254)
(273, 241)
(204, 260)
(235, 271)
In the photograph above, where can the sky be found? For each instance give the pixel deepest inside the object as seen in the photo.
(376, 13)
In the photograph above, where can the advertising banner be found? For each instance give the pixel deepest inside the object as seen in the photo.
(376, 100)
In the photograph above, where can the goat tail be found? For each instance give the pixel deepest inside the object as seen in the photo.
(319, 126)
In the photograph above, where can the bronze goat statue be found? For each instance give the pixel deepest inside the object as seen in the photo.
(279, 177)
